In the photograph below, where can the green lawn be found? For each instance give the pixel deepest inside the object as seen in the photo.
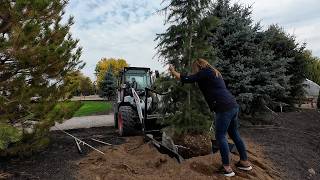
(92, 107)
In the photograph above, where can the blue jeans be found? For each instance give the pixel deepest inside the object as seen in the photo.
(228, 122)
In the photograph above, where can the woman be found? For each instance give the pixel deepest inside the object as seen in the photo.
(223, 103)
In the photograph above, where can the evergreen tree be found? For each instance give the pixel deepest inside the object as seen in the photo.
(108, 85)
(185, 40)
(36, 53)
(253, 73)
(285, 46)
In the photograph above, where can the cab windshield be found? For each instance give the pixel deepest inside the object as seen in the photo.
(139, 77)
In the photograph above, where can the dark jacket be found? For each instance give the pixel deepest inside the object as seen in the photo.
(213, 89)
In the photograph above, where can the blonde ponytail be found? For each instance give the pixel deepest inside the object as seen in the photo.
(201, 64)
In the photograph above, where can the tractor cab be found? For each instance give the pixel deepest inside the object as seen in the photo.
(134, 77)
(137, 78)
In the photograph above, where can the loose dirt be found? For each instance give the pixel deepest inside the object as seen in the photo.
(136, 160)
(194, 145)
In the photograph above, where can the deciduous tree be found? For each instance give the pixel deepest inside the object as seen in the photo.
(80, 85)
(313, 67)
(105, 64)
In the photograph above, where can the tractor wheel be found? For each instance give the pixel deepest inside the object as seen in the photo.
(127, 125)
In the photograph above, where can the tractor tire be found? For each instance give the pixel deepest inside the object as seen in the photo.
(127, 124)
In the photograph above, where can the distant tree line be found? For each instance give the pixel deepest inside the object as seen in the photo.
(80, 84)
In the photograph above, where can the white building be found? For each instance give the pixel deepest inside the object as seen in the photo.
(311, 92)
(311, 89)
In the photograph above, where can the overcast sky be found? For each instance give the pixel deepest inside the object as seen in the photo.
(127, 28)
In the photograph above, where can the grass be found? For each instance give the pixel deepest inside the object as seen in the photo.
(92, 107)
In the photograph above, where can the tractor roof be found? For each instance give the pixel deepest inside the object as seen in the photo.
(136, 68)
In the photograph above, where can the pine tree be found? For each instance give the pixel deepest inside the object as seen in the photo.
(185, 40)
(108, 85)
(36, 53)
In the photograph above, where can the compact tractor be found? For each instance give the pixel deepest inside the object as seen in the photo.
(137, 104)
(136, 109)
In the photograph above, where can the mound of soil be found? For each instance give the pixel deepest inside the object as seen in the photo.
(193, 145)
(136, 160)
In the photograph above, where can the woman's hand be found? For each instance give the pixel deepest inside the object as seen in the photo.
(174, 72)
(171, 68)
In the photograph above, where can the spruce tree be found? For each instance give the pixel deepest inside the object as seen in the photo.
(253, 73)
(285, 46)
(185, 40)
(108, 85)
(36, 53)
